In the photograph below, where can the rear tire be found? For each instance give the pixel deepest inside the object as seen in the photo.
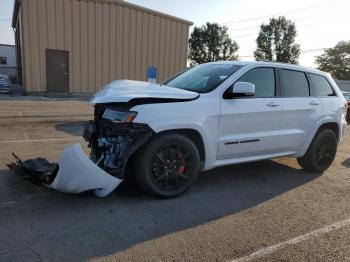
(321, 153)
(167, 166)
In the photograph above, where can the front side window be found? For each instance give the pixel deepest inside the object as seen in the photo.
(295, 84)
(263, 79)
(321, 86)
(203, 78)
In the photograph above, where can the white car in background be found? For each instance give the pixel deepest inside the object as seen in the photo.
(213, 115)
(5, 84)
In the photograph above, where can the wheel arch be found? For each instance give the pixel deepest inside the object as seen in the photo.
(193, 135)
(332, 125)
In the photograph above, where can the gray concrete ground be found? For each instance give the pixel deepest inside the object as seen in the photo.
(267, 208)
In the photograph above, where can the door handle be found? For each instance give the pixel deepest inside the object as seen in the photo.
(273, 104)
(314, 103)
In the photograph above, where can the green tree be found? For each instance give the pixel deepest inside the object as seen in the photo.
(336, 61)
(211, 42)
(276, 42)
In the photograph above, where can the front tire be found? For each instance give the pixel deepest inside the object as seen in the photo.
(321, 153)
(167, 166)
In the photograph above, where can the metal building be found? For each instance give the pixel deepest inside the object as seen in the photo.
(77, 46)
(8, 60)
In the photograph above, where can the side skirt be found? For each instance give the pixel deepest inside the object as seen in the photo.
(240, 160)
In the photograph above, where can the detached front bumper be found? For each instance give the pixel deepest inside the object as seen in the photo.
(77, 173)
(74, 173)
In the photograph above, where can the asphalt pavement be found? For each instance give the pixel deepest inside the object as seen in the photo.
(264, 211)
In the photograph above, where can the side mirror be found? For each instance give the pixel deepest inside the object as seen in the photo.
(243, 89)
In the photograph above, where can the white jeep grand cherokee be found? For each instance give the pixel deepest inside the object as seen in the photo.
(212, 115)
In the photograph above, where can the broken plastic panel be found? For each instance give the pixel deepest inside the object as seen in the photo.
(77, 173)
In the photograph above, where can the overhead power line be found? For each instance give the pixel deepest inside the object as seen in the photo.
(313, 50)
(254, 27)
(258, 26)
(281, 13)
(302, 51)
(301, 28)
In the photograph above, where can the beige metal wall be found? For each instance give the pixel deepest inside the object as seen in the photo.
(106, 40)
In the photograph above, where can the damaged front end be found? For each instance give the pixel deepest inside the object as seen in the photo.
(113, 137)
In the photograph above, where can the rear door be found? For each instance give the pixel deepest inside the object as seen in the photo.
(250, 126)
(301, 109)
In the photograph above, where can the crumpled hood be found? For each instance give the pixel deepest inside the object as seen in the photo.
(126, 90)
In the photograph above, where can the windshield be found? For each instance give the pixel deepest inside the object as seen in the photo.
(203, 78)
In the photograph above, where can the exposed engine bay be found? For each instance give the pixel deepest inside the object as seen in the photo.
(113, 138)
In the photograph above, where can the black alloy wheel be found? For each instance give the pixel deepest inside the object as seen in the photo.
(167, 166)
(171, 167)
(321, 153)
(325, 152)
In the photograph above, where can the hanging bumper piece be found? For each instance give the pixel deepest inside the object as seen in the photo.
(74, 173)
(77, 173)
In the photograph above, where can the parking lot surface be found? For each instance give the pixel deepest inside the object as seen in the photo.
(264, 211)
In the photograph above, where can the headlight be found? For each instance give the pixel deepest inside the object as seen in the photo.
(119, 116)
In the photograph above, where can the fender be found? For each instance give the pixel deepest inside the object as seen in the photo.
(312, 133)
(201, 115)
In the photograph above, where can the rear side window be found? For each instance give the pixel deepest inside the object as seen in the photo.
(263, 79)
(295, 84)
(321, 86)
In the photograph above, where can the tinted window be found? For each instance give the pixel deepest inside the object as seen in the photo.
(294, 83)
(263, 79)
(321, 86)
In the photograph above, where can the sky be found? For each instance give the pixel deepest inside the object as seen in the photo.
(320, 23)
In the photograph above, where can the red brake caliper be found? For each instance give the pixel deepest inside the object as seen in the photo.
(181, 168)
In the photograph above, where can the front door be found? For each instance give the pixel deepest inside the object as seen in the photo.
(250, 126)
(57, 71)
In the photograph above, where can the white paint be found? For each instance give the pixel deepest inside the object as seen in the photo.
(152, 80)
(77, 173)
(40, 140)
(125, 90)
(313, 234)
